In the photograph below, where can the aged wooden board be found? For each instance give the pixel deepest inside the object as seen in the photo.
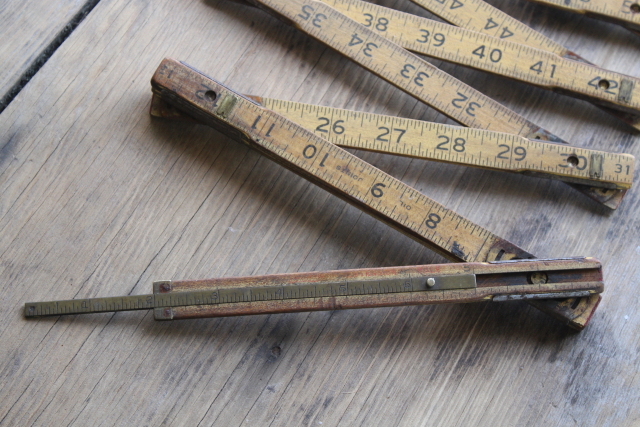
(98, 199)
(27, 29)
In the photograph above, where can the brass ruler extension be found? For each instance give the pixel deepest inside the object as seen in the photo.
(446, 143)
(415, 76)
(621, 12)
(346, 289)
(347, 176)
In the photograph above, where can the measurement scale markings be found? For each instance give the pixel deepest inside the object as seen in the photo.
(313, 118)
(407, 71)
(396, 291)
(623, 12)
(366, 137)
(479, 16)
(371, 187)
(454, 144)
(491, 21)
(487, 53)
(215, 296)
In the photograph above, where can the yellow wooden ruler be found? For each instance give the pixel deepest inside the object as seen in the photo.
(479, 16)
(455, 144)
(498, 56)
(415, 76)
(622, 12)
(446, 143)
(346, 176)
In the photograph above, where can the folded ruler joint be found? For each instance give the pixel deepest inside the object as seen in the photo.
(350, 178)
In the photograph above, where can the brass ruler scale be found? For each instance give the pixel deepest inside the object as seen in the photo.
(618, 93)
(348, 289)
(347, 176)
(622, 12)
(415, 76)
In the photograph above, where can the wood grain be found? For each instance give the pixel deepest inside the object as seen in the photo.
(98, 199)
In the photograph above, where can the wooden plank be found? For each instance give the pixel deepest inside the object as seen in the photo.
(30, 33)
(98, 199)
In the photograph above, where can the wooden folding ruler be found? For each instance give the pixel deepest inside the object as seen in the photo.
(578, 281)
(415, 76)
(621, 12)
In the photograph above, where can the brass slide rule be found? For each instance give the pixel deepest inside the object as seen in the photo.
(446, 143)
(622, 12)
(415, 76)
(344, 289)
(346, 176)
(477, 15)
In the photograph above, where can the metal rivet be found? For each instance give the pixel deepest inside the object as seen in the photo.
(431, 282)
(538, 278)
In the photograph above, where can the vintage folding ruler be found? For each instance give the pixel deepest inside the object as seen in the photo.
(621, 12)
(619, 94)
(568, 287)
(345, 289)
(346, 176)
(415, 76)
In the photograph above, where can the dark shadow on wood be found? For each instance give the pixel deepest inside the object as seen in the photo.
(48, 51)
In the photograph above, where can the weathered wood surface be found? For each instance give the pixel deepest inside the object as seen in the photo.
(98, 199)
(27, 28)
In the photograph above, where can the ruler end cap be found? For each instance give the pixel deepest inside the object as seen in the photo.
(163, 313)
(574, 312)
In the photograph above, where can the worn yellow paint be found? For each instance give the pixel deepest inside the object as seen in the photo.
(498, 56)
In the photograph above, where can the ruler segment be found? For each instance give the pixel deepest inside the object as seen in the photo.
(343, 174)
(455, 144)
(234, 295)
(623, 12)
(445, 143)
(401, 68)
(477, 15)
(342, 302)
(335, 169)
(359, 288)
(498, 56)
(415, 76)
(497, 281)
